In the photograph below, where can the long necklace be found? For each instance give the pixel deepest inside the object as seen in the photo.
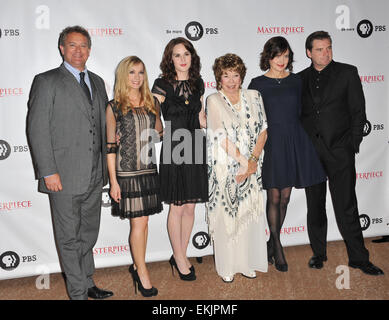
(185, 90)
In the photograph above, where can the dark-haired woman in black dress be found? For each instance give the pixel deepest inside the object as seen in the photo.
(182, 168)
(290, 159)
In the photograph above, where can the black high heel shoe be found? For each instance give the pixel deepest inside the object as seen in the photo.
(282, 267)
(186, 277)
(137, 283)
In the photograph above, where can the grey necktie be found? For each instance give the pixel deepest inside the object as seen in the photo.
(85, 87)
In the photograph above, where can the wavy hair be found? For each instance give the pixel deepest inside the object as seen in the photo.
(121, 89)
(273, 47)
(167, 67)
(228, 62)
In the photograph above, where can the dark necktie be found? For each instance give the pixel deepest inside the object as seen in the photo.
(85, 87)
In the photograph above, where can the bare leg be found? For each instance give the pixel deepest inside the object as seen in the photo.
(138, 243)
(186, 228)
(174, 226)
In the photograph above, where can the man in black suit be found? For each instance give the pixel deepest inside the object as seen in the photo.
(333, 114)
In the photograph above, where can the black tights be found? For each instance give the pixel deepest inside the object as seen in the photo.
(276, 205)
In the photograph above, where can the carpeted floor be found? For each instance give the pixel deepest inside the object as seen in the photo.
(299, 283)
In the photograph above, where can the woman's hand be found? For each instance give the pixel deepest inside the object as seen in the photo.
(246, 171)
(242, 174)
(202, 119)
(114, 192)
(252, 167)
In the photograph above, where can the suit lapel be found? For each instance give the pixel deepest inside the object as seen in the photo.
(71, 84)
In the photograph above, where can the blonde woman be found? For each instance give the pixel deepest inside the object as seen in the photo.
(133, 115)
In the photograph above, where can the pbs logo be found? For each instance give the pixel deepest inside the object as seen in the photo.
(194, 31)
(9, 260)
(201, 240)
(5, 150)
(364, 220)
(367, 128)
(105, 198)
(365, 28)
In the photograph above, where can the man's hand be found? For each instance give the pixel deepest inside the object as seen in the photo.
(53, 182)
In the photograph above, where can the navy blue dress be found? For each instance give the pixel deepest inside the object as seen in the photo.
(290, 159)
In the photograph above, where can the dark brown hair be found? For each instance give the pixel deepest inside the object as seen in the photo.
(167, 66)
(78, 29)
(273, 47)
(317, 35)
(228, 62)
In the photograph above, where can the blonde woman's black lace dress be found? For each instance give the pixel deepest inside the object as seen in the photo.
(136, 168)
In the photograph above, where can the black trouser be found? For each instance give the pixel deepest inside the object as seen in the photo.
(344, 200)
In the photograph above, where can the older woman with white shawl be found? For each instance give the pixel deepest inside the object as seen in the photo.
(236, 135)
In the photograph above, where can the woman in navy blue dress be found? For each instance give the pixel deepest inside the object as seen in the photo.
(290, 159)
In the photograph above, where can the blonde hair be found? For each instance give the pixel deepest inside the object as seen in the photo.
(121, 90)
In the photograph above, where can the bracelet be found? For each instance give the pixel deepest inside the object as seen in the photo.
(253, 158)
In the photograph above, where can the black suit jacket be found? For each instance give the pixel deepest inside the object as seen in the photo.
(336, 123)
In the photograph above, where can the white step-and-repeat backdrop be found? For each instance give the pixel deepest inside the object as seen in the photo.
(29, 33)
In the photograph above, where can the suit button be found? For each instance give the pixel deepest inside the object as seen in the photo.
(90, 131)
(318, 111)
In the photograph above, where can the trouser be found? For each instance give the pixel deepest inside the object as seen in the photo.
(344, 200)
(76, 220)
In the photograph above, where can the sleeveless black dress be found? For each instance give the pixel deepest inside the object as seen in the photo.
(290, 159)
(182, 167)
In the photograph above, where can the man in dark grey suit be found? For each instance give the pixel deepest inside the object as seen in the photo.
(66, 131)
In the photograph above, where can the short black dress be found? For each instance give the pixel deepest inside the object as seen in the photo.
(290, 159)
(136, 168)
(182, 167)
